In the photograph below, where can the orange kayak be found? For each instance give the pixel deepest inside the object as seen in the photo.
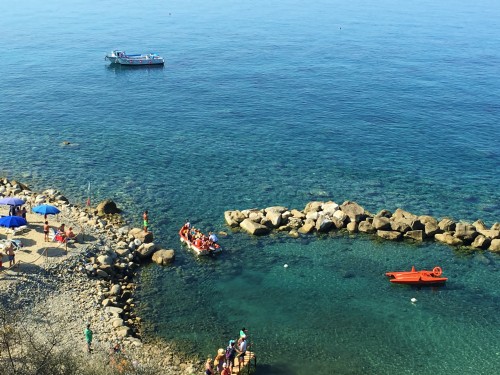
(414, 277)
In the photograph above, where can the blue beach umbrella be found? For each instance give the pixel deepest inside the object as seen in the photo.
(46, 209)
(12, 201)
(12, 221)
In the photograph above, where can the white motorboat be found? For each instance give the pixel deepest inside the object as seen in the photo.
(121, 57)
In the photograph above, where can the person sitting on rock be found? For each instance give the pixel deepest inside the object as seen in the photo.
(61, 235)
(70, 235)
(62, 229)
(46, 229)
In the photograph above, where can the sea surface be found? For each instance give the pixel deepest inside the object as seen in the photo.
(389, 104)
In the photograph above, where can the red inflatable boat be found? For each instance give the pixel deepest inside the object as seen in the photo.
(414, 277)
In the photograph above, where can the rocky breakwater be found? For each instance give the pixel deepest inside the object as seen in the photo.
(323, 217)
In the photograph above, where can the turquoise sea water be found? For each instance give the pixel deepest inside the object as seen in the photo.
(388, 104)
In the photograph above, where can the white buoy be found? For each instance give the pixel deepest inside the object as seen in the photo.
(413, 300)
(286, 266)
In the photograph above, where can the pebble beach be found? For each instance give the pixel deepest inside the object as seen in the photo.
(90, 281)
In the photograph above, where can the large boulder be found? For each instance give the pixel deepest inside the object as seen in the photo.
(465, 232)
(352, 227)
(353, 210)
(384, 213)
(145, 250)
(330, 208)
(402, 214)
(447, 225)
(107, 207)
(298, 214)
(401, 224)
(313, 207)
(479, 225)
(19, 185)
(426, 219)
(256, 216)
(234, 218)
(279, 209)
(481, 242)
(490, 233)
(495, 226)
(323, 224)
(113, 310)
(388, 234)
(340, 216)
(308, 227)
(338, 223)
(163, 257)
(366, 227)
(495, 245)
(448, 238)
(295, 223)
(254, 228)
(417, 235)
(274, 217)
(144, 237)
(431, 229)
(381, 223)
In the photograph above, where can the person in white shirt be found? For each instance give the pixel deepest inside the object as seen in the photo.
(242, 349)
(212, 237)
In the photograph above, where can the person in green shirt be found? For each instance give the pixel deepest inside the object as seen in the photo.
(88, 337)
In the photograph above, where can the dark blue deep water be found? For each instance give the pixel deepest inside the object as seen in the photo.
(390, 104)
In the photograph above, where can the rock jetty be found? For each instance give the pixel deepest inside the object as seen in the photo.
(323, 217)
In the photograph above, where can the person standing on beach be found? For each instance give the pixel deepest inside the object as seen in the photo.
(88, 338)
(9, 250)
(23, 213)
(46, 229)
(145, 218)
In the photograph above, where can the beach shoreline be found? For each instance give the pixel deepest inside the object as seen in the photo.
(70, 288)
